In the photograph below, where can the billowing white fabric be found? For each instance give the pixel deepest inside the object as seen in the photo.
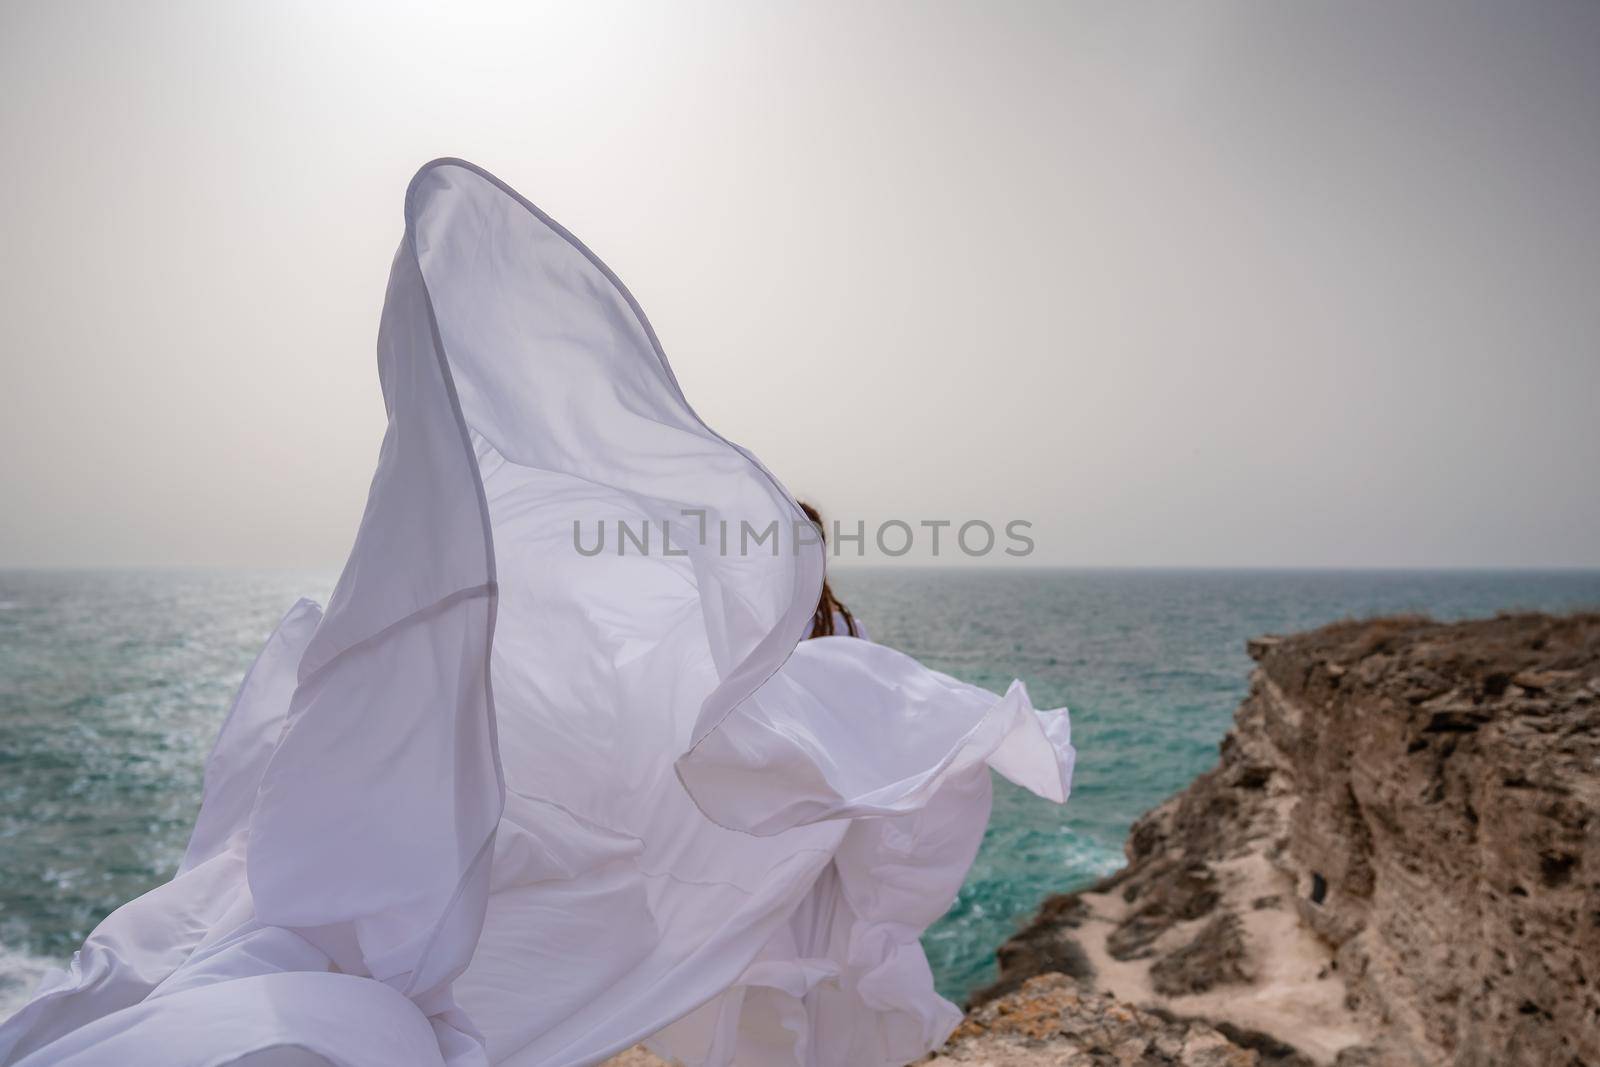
(507, 802)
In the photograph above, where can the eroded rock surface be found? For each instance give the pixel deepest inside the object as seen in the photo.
(1051, 1021)
(1396, 861)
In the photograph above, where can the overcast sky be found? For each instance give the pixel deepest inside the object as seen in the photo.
(1204, 284)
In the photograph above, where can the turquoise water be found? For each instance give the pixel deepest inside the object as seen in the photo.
(112, 685)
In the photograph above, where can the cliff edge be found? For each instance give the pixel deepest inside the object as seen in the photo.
(1396, 861)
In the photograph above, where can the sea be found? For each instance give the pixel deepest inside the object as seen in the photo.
(113, 684)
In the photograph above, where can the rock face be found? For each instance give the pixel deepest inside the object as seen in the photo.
(1397, 860)
(1052, 1022)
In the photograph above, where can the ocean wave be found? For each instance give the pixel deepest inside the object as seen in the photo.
(19, 975)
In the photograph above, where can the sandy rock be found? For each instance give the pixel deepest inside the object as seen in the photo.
(1051, 1021)
(1396, 861)
(636, 1057)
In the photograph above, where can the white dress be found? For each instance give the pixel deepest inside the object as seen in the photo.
(507, 802)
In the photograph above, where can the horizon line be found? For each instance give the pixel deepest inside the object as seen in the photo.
(845, 564)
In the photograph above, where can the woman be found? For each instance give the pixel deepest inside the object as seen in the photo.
(504, 802)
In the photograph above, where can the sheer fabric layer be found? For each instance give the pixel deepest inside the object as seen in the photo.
(506, 802)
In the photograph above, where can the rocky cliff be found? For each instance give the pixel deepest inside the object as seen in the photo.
(1396, 861)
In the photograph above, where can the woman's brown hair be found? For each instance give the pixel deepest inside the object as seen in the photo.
(822, 618)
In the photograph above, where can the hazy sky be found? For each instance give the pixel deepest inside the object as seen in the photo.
(1200, 284)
